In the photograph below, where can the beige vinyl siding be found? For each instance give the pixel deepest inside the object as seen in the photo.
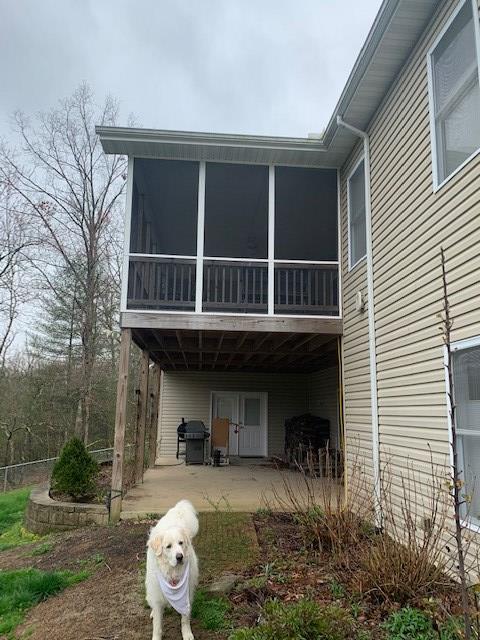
(410, 223)
(188, 394)
(323, 399)
(358, 423)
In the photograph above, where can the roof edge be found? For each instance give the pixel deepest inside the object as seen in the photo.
(129, 134)
(367, 52)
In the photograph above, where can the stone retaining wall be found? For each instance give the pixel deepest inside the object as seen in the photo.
(44, 515)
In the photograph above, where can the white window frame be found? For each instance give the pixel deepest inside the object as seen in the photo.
(460, 345)
(431, 96)
(352, 265)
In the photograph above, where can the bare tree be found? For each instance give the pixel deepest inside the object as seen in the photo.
(72, 191)
(15, 240)
(457, 483)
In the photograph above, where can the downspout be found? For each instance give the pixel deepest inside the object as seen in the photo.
(371, 318)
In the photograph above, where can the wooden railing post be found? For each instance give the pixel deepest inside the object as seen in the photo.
(141, 417)
(152, 438)
(120, 423)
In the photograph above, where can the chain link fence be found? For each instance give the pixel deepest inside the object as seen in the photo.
(15, 476)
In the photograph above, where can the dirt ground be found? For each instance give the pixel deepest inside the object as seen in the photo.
(109, 605)
(266, 551)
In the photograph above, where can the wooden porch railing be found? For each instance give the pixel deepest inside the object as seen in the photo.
(236, 287)
(306, 289)
(161, 283)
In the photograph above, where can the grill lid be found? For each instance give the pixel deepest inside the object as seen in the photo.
(192, 426)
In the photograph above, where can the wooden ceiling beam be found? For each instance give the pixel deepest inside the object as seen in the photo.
(217, 352)
(242, 339)
(180, 344)
(200, 350)
(159, 340)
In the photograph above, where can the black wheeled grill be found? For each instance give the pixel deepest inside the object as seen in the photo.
(193, 435)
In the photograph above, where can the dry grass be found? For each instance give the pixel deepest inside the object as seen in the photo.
(405, 560)
(329, 518)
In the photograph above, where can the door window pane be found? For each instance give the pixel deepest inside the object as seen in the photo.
(225, 408)
(469, 460)
(466, 373)
(467, 381)
(164, 207)
(236, 211)
(252, 411)
(305, 214)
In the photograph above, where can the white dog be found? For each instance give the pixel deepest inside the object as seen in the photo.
(172, 566)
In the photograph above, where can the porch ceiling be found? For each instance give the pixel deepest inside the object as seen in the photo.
(194, 350)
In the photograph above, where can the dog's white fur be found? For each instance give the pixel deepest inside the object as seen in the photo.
(169, 539)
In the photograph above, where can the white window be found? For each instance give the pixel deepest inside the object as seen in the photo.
(357, 228)
(466, 376)
(455, 93)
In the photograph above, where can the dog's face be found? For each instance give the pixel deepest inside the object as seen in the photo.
(171, 546)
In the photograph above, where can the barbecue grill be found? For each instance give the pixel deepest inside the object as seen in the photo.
(193, 434)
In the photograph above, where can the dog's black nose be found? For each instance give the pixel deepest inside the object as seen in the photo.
(179, 557)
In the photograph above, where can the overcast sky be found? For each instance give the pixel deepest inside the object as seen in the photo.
(273, 67)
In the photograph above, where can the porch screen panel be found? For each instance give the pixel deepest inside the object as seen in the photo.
(236, 211)
(164, 207)
(305, 214)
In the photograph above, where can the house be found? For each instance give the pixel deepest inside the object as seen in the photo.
(271, 276)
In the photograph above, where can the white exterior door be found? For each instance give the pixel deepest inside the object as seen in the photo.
(252, 439)
(225, 405)
(249, 411)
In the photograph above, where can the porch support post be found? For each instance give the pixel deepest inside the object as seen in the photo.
(120, 423)
(155, 397)
(142, 403)
(271, 240)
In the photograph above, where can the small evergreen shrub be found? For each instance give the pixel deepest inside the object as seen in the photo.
(303, 620)
(75, 471)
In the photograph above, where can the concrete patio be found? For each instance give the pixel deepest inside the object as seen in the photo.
(242, 487)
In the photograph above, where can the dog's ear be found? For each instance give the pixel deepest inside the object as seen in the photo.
(186, 538)
(155, 544)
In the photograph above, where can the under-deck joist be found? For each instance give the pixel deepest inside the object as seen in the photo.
(178, 349)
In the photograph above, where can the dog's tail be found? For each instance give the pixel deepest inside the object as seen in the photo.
(187, 512)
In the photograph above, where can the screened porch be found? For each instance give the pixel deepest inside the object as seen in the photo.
(227, 238)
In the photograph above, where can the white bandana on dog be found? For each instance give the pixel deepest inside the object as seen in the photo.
(178, 595)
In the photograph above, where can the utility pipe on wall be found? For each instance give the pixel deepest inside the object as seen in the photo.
(371, 316)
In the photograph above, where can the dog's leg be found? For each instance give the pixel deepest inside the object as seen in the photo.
(186, 629)
(157, 615)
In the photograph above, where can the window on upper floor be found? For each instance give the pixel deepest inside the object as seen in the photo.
(357, 228)
(466, 375)
(455, 93)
